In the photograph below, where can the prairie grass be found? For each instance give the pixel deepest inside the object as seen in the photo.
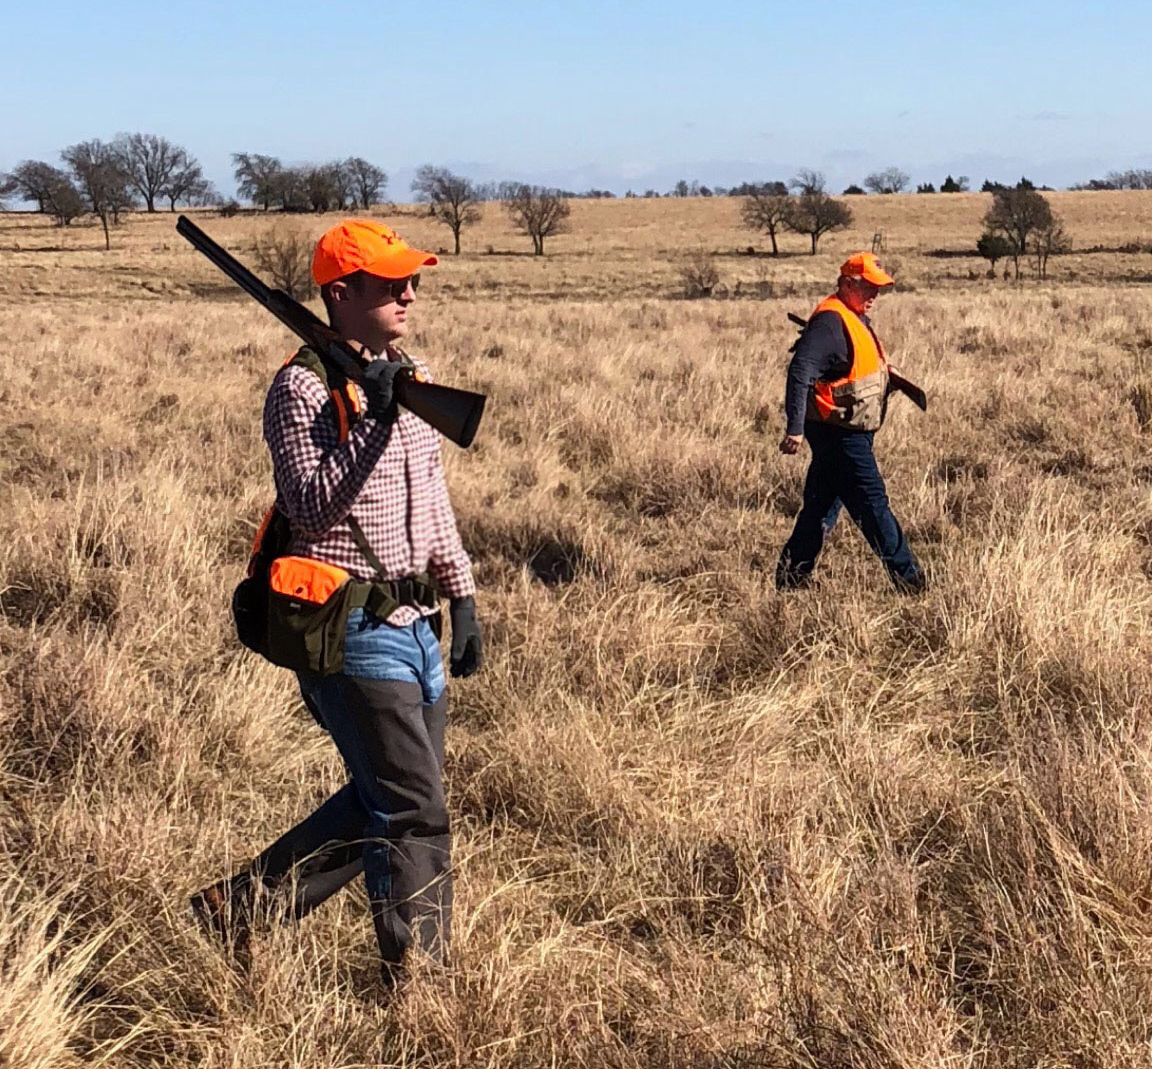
(698, 825)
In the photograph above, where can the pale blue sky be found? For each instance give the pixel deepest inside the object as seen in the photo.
(589, 92)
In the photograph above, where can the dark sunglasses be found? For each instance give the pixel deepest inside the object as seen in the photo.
(398, 287)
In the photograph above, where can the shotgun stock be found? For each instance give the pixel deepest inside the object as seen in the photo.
(454, 413)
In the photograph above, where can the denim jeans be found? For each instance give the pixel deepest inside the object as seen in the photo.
(843, 472)
(386, 714)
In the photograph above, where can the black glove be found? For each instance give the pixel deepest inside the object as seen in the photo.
(467, 653)
(379, 377)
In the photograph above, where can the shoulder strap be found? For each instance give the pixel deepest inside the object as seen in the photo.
(345, 399)
(347, 405)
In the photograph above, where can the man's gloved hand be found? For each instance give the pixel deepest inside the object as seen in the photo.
(379, 377)
(467, 653)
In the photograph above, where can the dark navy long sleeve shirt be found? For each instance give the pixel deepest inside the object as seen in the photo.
(820, 353)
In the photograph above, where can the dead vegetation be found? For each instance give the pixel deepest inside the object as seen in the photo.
(698, 825)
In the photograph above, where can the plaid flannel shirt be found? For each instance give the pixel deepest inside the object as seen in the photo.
(389, 478)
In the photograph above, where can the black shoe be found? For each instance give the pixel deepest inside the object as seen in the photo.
(913, 587)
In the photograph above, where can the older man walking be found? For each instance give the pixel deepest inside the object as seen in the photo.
(837, 398)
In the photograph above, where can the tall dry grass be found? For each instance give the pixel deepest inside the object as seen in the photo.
(698, 824)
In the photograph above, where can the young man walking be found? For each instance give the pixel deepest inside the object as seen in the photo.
(837, 398)
(361, 483)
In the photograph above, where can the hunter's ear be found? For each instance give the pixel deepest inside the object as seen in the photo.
(338, 291)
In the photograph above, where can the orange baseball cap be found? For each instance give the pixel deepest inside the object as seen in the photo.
(365, 245)
(865, 265)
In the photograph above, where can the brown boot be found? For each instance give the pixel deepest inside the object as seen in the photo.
(224, 912)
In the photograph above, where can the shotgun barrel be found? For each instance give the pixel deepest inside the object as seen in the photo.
(454, 413)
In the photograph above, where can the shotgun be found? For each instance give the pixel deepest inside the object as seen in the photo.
(454, 413)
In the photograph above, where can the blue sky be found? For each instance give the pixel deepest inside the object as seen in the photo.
(595, 93)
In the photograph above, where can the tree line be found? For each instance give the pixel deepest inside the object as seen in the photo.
(107, 178)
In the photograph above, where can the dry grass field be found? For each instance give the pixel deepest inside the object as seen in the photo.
(699, 825)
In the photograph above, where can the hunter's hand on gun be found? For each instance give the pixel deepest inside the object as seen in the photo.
(467, 654)
(791, 443)
(379, 379)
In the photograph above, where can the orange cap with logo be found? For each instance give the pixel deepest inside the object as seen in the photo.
(865, 265)
(365, 245)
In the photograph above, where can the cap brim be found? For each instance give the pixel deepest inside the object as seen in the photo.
(401, 264)
(878, 278)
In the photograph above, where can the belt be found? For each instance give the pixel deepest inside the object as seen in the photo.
(383, 597)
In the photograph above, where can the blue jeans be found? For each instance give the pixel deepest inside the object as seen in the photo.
(844, 472)
(376, 650)
(386, 714)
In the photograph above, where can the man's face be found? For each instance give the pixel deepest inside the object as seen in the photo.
(374, 311)
(858, 294)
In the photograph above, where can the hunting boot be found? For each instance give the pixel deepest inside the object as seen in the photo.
(224, 911)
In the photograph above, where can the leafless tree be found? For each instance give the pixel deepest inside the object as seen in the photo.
(150, 161)
(327, 186)
(187, 183)
(290, 189)
(764, 208)
(102, 179)
(1018, 213)
(32, 180)
(64, 201)
(1131, 179)
(258, 178)
(285, 255)
(812, 211)
(1049, 240)
(368, 180)
(452, 199)
(890, 180)
(536, 211)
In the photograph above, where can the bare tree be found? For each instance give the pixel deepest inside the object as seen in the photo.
(452, 199)
(187, 183)
(890, 180)
(536, 211)
(258, 178)
(32, 180)
(368, 181)
(150, 161)
(290, 189)
(812, 211)
(63, 200)
(1132, 179)
(102, 179)
(1049, 240)
(764, 209)
(285, 255)
(1018, 213)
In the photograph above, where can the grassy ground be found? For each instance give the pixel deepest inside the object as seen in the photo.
(698, 824)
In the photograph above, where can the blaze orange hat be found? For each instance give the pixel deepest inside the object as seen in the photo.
(365, 245)
(865, 265)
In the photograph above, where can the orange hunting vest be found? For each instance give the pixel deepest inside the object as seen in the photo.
(859, 400)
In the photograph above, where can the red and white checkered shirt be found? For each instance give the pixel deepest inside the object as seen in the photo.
(390, 479)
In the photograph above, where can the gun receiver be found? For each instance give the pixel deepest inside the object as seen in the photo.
(454, 413)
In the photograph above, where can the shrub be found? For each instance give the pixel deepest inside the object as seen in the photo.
(286, 256)
(699, 274)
